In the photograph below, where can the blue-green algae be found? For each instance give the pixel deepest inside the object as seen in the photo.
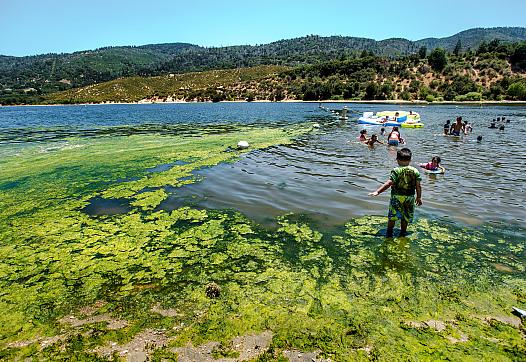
(352, 294)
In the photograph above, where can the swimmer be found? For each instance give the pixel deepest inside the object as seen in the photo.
(467, 128)
(492, 125)
(363, 136)
(447, 126)
(433, 165)
(479, 138)
(382, 131)
(501, 128)
(374, 139)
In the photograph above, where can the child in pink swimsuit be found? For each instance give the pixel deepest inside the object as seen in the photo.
(433, 165)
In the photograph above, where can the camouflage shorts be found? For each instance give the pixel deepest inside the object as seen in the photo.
(401, 208)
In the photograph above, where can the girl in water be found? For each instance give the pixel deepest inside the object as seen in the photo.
(363, 136)
(434, 165)
(394, 138)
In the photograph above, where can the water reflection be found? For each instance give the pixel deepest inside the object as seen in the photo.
(327, 174)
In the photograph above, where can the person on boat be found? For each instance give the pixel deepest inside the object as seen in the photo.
(458, 127)
(374, 139)
(396, 116)
(394, 138)
(363, 136)
(434, 165)
(447, 126)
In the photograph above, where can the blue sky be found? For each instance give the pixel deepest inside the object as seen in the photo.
(30, 27)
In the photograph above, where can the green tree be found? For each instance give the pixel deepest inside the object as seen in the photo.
(483, 48)
(437, 59)
(458, 48)
(517, 90)
(386, 91)
(422, 52)
(518, 57)
(371, 91)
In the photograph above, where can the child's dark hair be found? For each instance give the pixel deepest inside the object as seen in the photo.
(436, 159)
(448, 121)
(404, 154)
(363, 131)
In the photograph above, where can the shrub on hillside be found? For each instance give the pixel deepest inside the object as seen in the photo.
(517, 90)
(471, 96)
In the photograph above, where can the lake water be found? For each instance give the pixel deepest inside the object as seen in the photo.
(326, 174)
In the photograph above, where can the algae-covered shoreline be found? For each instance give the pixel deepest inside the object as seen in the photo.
(164, 284)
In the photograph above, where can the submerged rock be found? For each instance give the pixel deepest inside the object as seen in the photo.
(213, 290)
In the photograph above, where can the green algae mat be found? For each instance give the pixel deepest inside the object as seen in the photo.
(138, 282)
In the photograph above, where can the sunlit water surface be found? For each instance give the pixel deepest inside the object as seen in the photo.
(327, 174)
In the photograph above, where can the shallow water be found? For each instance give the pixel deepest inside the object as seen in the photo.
(327, 174)
(81, 227)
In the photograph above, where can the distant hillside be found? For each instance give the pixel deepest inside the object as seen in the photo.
(52, 72)
(472, 38)
(495, 72)
(28, 79)
(201, 86)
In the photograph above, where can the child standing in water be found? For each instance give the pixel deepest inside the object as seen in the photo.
(404, 182)
(394, 137)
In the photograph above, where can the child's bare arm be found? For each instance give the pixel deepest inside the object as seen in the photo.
(418, 200)
(382, 188)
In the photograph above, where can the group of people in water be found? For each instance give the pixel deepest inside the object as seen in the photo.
(458, 128)
(393, 139)
(498, 120)
(404, 180)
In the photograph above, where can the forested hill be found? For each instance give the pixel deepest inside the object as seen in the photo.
(26, 79)
(472, 38)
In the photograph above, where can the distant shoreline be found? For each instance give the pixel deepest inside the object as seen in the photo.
(390, 101)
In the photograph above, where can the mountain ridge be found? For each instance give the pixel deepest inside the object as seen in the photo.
(48, 73)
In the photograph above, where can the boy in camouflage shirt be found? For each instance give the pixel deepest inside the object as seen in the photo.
(404, 182)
